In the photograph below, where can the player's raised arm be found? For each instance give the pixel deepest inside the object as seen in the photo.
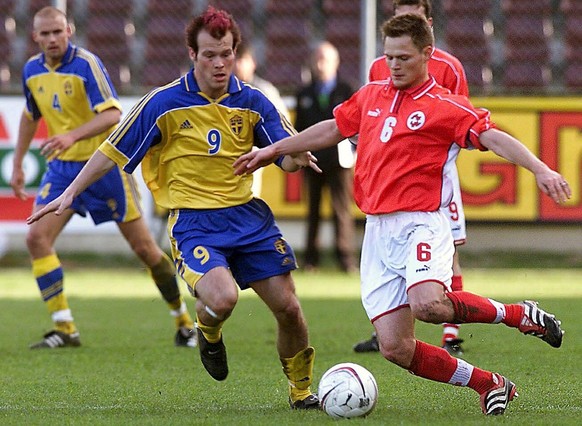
(549, 181)
(97, 166)
(321, 135)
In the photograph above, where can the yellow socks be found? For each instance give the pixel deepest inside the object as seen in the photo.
(211, 333)
(299, 371)
(49, 277)
(67, 327)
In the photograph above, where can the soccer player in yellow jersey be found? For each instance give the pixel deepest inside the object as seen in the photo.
(187, 136)
(69, 87)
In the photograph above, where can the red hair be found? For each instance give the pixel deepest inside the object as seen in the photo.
(217, 23)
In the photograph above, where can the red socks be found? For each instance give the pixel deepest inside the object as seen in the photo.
(451, 331)
(471, 308)
(513, 315)
(457, 283)
(433, 363)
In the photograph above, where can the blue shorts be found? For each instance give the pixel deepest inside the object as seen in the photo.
(113, 197)
(244, 238)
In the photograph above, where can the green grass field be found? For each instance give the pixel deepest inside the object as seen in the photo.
(129, 373)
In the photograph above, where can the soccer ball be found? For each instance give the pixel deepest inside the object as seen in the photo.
(347, 390)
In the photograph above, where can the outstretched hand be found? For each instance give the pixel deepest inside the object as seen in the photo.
(254, 160)
(251, 161)
(306, 159)
(58, 205)
(554, 185)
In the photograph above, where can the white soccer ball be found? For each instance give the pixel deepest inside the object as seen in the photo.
(347, 390)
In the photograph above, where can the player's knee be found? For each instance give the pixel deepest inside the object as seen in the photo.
(290, 313)
(36, 240)
(222, 307)
(430, 311)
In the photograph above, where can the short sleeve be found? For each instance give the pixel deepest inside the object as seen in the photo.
(348, 115)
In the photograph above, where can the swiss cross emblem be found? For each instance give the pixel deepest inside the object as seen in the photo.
(415, 120)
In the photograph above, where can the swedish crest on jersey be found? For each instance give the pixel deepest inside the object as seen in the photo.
(68, 87)
(236, 124)
(281, 246)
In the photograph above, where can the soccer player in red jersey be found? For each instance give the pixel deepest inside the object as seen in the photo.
(407, 128)
(449, 73)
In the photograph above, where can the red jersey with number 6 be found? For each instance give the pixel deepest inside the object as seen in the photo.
(405, 140)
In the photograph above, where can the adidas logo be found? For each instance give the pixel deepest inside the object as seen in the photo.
(186, 125)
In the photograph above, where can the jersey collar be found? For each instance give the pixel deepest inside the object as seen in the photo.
(67, 57)
(418, 90)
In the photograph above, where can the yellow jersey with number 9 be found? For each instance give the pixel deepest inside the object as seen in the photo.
(188, 142)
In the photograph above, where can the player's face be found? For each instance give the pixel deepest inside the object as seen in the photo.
(214, 63)
(52, 35)
(408, 65)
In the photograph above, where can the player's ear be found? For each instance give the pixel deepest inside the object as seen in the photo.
(192, 54)
(427, 52)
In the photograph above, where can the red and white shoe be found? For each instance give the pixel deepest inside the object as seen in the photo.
(495, 401)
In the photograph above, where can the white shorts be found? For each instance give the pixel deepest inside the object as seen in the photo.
(400, 250)
(454, 211)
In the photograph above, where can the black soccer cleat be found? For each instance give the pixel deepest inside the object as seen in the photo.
(213, 357)
(57, 339)
(186, 338)
(309, 403)
(370, 345)
(495, 401)
(541, 324)
(453, 347)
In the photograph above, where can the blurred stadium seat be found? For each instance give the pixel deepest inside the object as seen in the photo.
(467, 7)
(242, 11)
(108, 34)
(166, 55)
(343, 30)
(526, 75)
(285, 65)
(468, 33)
(572, 10)
(528, 32)
(287, 38)
(290, 7)
(341, 7)
(153, 52)
(571, 7)
(7, 34)
(526, 7)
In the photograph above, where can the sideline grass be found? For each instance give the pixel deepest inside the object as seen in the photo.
(128, 373)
